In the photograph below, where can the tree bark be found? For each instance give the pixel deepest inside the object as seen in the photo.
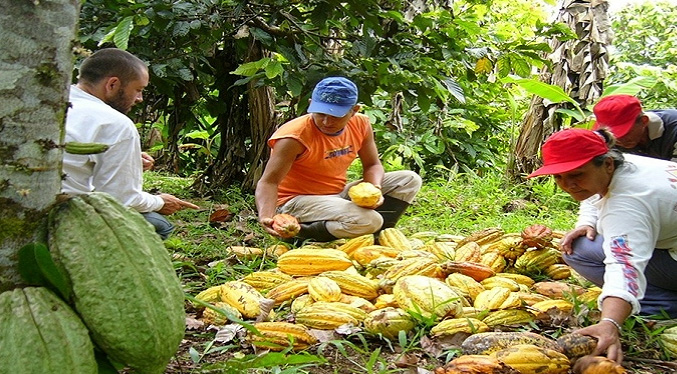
(36, 65)
(579, 66)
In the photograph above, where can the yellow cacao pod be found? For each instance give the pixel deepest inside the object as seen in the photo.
(367, 254)
(536, 261)
(353, 284)
(322, 318)
(519, 278)
(388, 322)
(455, 325)
(444, 251)
(483, 236)
(427, 296)
(246, 299)
(265, 280)
(506, 317)
(495, 281)
(386, 300)
(364, 194)
(324, 289)
(312, 261)
(353, 244)
(489, 342)
(210, 295)
(289, 290)
(301, 302)
(465, 283)
(492, 298)
(509, 246)
(412, 266)
(494, 260)
(468, 252)
(214, 317)
(531, 359)
(558, 271)
(393, 237)
(339, 307)
(668, 339)
(277, 336)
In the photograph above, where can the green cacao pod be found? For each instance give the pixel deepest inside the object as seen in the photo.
(123, 283)
(39, 333)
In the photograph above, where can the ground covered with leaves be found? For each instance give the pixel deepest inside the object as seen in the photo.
(200, 252)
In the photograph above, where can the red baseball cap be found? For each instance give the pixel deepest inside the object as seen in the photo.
(568, 149)
(618, 113)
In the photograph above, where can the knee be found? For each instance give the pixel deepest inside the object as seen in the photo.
(161, 225)
(585, 250)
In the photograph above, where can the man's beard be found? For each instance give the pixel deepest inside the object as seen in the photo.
(119, 102)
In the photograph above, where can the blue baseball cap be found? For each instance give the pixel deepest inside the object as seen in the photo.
(334, 96)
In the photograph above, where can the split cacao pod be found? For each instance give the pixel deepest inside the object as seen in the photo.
(364, 194)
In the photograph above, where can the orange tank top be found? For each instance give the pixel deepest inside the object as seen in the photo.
(322, 167)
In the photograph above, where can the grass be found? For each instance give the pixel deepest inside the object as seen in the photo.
(456, 204)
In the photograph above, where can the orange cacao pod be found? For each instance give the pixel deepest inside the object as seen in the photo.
(597, 365)
(286, 225)
(537, 235)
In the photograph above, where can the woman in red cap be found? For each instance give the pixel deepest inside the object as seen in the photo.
(625, 240)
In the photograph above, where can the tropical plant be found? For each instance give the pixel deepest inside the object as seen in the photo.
(428, 75)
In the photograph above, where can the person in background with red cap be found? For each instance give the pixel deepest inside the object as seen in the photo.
(652, 133)
(628, 244)
(307, 171)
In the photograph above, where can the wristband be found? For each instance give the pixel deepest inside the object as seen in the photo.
(618, 326)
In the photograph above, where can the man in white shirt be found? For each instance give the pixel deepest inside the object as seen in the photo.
(110, 83)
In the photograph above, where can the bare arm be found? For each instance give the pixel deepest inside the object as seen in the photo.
(284, 153)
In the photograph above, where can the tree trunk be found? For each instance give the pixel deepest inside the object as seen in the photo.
(579, 66)
(36, 64)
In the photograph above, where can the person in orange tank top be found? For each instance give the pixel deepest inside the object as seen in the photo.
(306, 175)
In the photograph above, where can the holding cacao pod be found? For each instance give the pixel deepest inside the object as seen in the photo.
(286, 225)
(364, 194)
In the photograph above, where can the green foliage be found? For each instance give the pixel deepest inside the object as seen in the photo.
(646, 47)
(441, 63)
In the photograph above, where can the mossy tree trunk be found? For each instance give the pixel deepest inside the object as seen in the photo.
(35, 71)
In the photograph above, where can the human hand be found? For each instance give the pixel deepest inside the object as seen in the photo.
(568, 239)
(267, 224)
(173, 204)
(147, 161)
(608, 340)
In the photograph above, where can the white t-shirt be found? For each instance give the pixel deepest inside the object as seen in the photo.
(638, 214)
(118, 171)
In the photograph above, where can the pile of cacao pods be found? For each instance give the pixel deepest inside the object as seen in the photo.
(481, 287)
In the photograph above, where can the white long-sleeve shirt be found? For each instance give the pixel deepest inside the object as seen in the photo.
(118, 171)
(638, 214)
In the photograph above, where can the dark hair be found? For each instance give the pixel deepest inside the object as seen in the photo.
(111, 62)
(614, 153)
